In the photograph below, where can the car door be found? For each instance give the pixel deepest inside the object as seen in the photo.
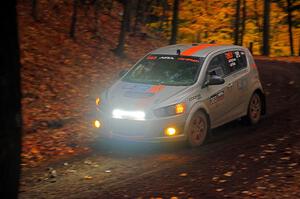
(220, 98)
(236, 70)
(243, 80)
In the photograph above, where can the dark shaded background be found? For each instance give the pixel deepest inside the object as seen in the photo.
(10, 117)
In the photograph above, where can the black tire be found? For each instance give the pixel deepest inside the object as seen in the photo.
(198, 129)
(254, 110)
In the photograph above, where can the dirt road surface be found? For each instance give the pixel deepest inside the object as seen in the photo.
(238, 161)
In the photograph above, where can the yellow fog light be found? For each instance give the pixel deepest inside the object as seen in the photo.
(98, 101)
(97, 124)
(170, 131)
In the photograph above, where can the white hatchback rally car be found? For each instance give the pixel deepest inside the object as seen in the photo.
(180, 92)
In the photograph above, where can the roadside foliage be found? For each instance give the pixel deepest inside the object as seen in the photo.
(207, 21)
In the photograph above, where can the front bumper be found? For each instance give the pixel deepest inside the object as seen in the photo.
(152, 130)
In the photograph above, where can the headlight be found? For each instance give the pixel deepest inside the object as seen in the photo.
(170, 110)
(134, 115)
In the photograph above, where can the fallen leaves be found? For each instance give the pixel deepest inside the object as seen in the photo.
(269, 151)
(293, 164)
(183, 174)
(291, 82)
(87, 177)
(285, 158)
(228, 174)
(60, 79)
(34, 150)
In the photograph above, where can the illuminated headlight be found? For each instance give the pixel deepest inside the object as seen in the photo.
(175, 109)
(122, 114)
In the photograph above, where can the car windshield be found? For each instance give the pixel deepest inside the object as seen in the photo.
(165, 70)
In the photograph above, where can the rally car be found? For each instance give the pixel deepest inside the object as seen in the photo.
(180, 92)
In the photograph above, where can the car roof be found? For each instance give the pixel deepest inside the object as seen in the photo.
(196, 49)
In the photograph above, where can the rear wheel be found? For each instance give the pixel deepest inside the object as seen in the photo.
(198, 129)
(254, 109)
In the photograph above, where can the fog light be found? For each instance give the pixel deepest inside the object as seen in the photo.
(97, 124)
(98, 101)
(170, 131)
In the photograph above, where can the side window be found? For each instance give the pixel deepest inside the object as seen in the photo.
(241, 59)
(236, 60)
(216, 66)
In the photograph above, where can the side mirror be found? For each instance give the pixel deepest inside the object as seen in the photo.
(122, 73)
(214, 80)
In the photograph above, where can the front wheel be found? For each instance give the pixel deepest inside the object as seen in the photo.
(254, 110)
(198, 129)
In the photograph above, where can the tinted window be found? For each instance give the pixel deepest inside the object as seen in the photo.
(166, 70)
(242, 61)
(236, 60)
(216, 66)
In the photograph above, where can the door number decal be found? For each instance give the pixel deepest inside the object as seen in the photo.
(219, 96)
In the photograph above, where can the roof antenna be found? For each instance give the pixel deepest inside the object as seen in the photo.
(178, 52)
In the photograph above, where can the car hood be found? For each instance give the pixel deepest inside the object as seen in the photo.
(136, 96)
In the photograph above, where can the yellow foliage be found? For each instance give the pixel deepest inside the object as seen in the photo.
(213, 20)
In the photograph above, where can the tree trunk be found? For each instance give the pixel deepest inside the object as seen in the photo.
(119, 50)
(244, 18)
(207, 9)
(128, 24)
(96, 15)
(174, 22)
(299, 46)
(74, 19)
(266, 28)
(162, 20)
(138, 14)
(10, 102)
(256, 14)
(34, 10)
(110, 6)
(164, 16)
(251, 47)
(290, 24)
(237, 22)
(198, 37)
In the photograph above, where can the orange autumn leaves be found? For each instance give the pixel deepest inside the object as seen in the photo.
(206, 21)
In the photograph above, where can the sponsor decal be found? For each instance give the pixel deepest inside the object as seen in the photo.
(155, 88)
(229, 55)
(196, 97)
(188, 59)
(166, 57)
(143, 88)
(217, 97)
(144, 102)
(237, 54)
(152, 57)
(231, 59)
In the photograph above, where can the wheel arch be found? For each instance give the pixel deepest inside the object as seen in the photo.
(263, 98)
(197, 107)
